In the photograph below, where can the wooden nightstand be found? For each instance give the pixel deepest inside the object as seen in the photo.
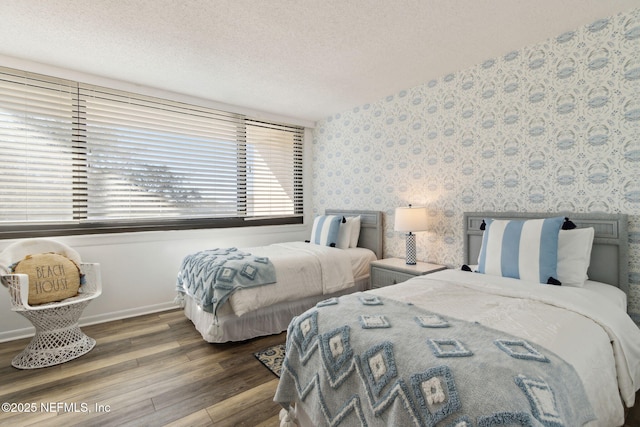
(389, 271)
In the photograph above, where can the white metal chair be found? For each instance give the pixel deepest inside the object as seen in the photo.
(58, 337)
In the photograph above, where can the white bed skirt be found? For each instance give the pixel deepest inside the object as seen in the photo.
(265, 321)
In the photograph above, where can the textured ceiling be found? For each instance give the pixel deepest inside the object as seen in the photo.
(304, 59)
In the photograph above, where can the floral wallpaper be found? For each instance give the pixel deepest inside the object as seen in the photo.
(550, 127)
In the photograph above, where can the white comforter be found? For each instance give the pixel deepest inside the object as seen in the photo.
(579, 325)
(302, 269)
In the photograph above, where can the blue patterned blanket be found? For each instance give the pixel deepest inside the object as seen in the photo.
(211, 276)
(363, 360)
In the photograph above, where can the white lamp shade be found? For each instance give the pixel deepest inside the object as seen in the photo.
(410, 219)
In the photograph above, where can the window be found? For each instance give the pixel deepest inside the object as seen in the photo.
(77, 158)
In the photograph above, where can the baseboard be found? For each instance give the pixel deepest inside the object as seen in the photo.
(93, 320)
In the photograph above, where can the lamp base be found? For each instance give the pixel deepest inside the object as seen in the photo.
(411, 249)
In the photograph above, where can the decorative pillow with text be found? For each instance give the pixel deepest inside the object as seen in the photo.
(52, 277)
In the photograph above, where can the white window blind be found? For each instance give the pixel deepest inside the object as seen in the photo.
(86, 156)
(272, 152)
(37, 152)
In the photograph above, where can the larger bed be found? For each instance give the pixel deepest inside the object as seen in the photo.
(461, 348)
(305, 274)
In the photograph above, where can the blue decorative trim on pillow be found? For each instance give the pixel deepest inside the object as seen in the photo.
(431, 321)
(436, 392)
(325, 230)
(439, 348)
(370, 300)
(510, 346)
(542, 400)
(374, 321)
(522, 249)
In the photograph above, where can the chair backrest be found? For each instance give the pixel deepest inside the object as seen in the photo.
(18, 284)
(17, 251)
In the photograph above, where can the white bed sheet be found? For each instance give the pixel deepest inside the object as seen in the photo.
(612, 294)
(589, 331)
(302, 270)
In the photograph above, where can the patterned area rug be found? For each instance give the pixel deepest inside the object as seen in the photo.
(272, 358)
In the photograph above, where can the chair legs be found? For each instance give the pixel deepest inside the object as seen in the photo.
(58, 337)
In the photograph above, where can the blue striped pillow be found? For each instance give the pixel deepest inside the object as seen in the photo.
(522, 249)
(325, 230)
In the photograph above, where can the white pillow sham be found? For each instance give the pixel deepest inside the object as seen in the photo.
(574, 255)
(355, 230)
(344, 234)
(349, 232)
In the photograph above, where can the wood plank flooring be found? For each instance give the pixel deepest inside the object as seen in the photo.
(152, 370)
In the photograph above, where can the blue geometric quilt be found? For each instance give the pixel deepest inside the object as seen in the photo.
(364, 360)
(211, 276)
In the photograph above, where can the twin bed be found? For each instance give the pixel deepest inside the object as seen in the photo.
(305, 274)
(460, 348)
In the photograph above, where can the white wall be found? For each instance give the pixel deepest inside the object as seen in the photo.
(139, 269)
(551, 127)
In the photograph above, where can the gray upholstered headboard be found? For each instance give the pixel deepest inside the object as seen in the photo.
(609, 254)
(371, 229)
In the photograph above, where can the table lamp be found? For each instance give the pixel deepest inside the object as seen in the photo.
(410, 220)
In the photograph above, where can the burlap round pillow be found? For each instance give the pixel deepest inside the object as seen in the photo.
(52, 277)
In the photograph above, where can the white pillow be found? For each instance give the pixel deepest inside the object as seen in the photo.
(355, 230)
(349, 232)
(574, 255)
(344, 234)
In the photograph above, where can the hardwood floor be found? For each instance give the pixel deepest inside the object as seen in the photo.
(152, 370)
(632, 416)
